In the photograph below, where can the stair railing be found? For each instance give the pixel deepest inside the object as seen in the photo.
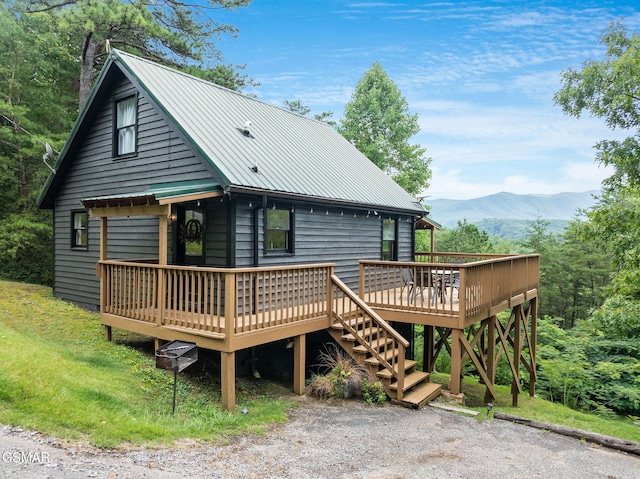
(369, 330)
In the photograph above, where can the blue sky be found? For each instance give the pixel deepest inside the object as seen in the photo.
(480, 75)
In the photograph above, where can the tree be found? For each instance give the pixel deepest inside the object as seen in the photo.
(466, 238)
(35, 107)
(169, 31)
(609, 89)
(378, 123)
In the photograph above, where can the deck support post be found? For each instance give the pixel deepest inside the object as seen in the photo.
(455, 385)
(517, 352)
(533, 340)
(299, 361)
(157, 343)
(228, 380)
(428, 349)
(491, 356)
(107, 333)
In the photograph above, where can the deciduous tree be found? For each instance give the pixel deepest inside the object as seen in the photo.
(609, 88)
(378, 122)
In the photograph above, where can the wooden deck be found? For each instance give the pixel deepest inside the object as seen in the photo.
(233, 309)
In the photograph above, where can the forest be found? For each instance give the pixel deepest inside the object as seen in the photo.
(589, 316)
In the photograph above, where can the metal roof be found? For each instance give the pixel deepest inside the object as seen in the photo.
(282, 151)
(160, 193)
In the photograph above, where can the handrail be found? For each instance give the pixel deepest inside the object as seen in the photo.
(218, 270)
(227, 301)
(428, 287)
(367, 309)
(380, 336)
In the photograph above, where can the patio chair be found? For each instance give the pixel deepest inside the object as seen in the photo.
(435, 283)
(407, 280)
(452, 280)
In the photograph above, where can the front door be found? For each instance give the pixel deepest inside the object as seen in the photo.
(191, 236)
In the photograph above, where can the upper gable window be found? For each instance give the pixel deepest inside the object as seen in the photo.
(126, 116)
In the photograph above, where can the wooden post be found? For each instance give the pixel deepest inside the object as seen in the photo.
(299, 364)
(100, 271)
(428, 349)
(157, 343)
(533, 339)
(433, 242)
(230, 308)
(228, 380)
(161, 277)
(162, 239)
(517, 351)
(491, 356)
(455, 385)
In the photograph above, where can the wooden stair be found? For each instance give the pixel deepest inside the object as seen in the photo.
(417, 391)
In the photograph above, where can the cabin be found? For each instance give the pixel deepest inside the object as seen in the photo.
(187, 211)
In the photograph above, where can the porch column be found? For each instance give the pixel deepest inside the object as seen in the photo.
(162, 261)
(299, 358)
(228, 380)
(99, 272)
(162, 240)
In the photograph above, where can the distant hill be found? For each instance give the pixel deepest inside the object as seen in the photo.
(507, 214)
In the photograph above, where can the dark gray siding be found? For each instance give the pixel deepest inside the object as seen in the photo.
(162, 157)
(216, 232)
(322, 236)
(406, 241)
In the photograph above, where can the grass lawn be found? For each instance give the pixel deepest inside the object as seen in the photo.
(541, 410)
(59, 376)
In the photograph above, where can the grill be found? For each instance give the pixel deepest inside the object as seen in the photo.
(176, 356)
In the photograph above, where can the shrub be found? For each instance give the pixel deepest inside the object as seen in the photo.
(342, 376)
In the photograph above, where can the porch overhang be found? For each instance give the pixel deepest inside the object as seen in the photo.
(426, 223)
(154, 200)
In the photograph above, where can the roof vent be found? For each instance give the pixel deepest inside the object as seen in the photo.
(246, 129)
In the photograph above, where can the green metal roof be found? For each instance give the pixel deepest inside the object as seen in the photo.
(183, 188)
(282, 151)
(155, 193)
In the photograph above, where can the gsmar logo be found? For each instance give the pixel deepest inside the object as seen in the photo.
(25, 457)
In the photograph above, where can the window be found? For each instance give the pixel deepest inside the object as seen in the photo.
(79, 232)
(125, 127)
(389, 240)
(279, 233)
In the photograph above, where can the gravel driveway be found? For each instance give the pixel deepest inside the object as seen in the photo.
(341, 440)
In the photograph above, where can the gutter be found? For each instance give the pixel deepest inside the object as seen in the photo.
(328, 201)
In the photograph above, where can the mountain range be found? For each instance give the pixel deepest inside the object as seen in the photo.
(494, 213)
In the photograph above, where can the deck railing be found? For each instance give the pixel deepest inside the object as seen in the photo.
(210, 299)
(463, 286)
(370, 331)
(234, 301)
